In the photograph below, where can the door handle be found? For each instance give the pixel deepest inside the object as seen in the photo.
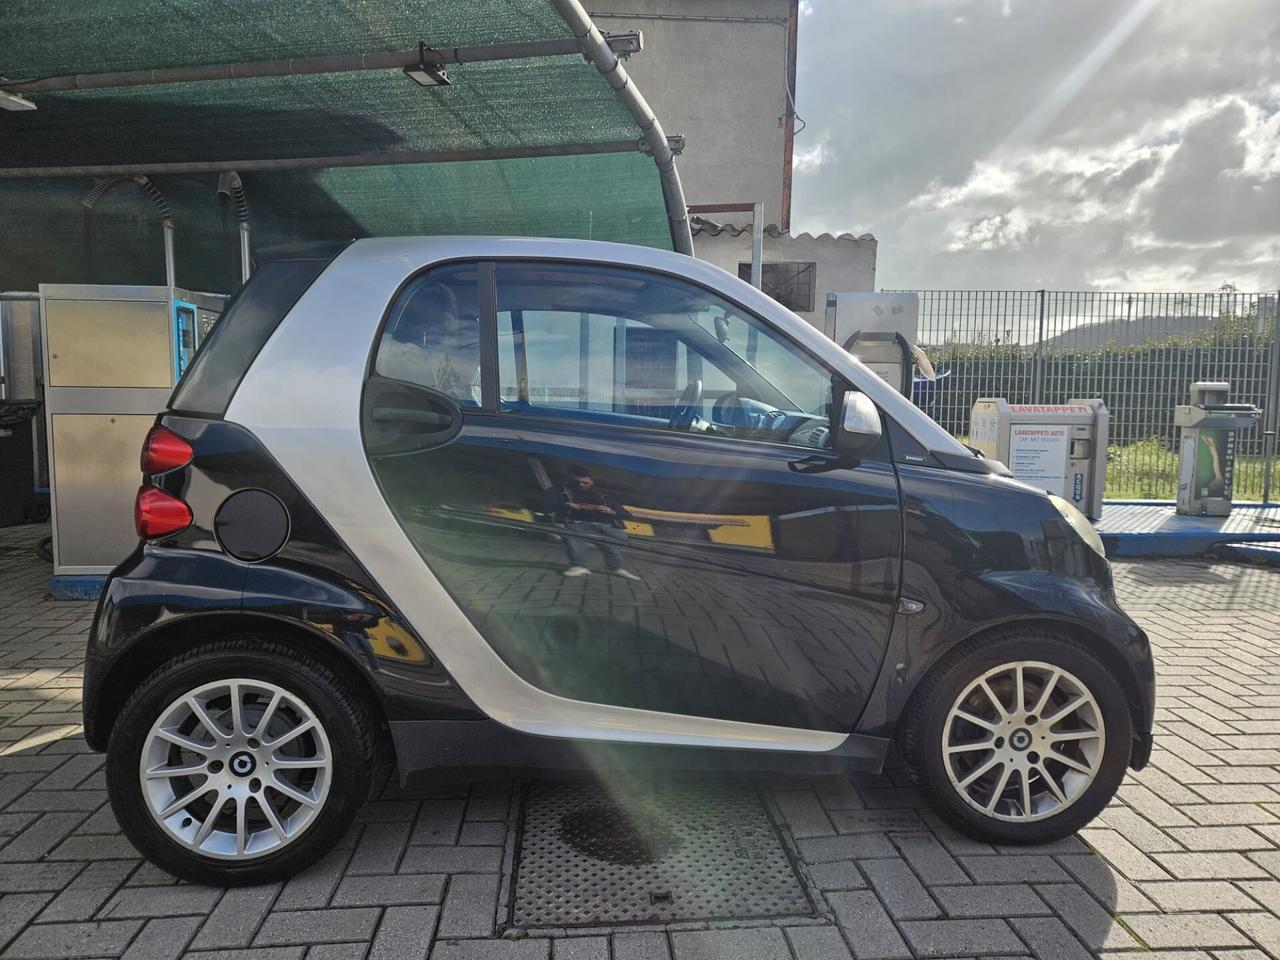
(411, 415)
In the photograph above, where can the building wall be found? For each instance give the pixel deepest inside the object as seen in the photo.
(844, 263)
(715, 71)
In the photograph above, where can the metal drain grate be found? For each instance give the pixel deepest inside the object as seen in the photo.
(634, 851)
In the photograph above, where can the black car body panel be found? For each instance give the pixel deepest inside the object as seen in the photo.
(172, 592)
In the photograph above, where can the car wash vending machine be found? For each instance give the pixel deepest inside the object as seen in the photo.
(1207, 448)
(880, 330)
(1058, 447)
(112, 355)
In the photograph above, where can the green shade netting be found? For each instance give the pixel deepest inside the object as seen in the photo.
(608, 197)
(500, 104)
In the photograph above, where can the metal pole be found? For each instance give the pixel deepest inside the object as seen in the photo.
(624, 44)
(19, 295)
(1271, 413)
(341, 160)
(170, 276)
(757, 245)
(595, 49)
(1037, 370)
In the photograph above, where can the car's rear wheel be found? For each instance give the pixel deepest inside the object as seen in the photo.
(240, 761)
(1018, 737)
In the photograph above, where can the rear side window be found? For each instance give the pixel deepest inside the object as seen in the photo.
(247, 324)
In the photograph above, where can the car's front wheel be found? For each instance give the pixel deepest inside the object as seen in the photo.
(240, 761)
(1018, 737)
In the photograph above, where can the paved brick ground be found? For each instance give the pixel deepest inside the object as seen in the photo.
(1184, 865)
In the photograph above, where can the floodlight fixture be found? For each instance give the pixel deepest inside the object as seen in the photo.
(425, 73)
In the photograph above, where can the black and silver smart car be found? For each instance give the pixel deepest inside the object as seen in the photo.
(486, 503)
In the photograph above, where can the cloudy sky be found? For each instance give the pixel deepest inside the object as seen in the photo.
(1071, 144)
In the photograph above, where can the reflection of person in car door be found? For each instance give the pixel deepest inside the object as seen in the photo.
(587, 509)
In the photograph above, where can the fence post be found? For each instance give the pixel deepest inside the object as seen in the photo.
(1271, 413)
(1037, 369)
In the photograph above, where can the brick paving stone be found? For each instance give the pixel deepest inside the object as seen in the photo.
(1015, 868)
(1089, 921)
(899, 890)
(253, 953)
(16, 911)
(1183, 896)
(947, 938)
(469, 905)
(818, 943)
(1124, 856)
(404, 934)
(163, 939)
(1220, 838)
(1049, 938)
(803, 813)
(837, 875)
(440, 859)
(235, 920)
(867, 926)
(335, 951)
(856, 847)
(314, 886)
(318, 926)
(641, 946)
(1209, 866)
(88, 892)
(439, 821)
(1263, 928)
(1186, 930)
(765, 943)
(1104, 882)
(61, 941)
(580, 948)
(172, 901)
(491, 950)
(380, 848)
(370, 891)
(990, 900)
(929, 858)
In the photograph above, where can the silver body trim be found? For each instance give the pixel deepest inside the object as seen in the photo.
(312, 428)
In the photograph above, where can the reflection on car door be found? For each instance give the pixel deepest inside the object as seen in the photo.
(611, 559)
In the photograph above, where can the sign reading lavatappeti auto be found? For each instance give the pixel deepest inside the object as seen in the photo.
(1058, 447)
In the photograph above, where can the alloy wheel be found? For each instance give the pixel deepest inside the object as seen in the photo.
(236, 769)
(1023, 741)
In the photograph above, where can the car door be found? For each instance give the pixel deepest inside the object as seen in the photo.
(625, 482)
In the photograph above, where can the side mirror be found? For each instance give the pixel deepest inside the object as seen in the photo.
(859, 425)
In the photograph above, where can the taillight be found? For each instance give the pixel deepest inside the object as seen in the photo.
(159, 514)
(164, 450)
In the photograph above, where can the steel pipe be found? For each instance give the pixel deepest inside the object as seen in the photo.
(597, 50)
(315, 163)
(757, 244)
(624, 43)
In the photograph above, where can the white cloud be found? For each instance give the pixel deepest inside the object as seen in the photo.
(808, 159)
(1159, 167)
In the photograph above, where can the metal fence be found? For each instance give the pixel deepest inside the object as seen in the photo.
(1140, 352)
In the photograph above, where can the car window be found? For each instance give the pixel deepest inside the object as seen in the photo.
(432, 336)
(245, 326)
(630, 347)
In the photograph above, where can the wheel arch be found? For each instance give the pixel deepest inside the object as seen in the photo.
(176, 637)
(1095, 643)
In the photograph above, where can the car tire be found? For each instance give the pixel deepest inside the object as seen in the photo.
(1063, 763)
(167, 768)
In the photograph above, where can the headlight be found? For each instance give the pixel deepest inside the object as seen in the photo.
(1080, 524)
